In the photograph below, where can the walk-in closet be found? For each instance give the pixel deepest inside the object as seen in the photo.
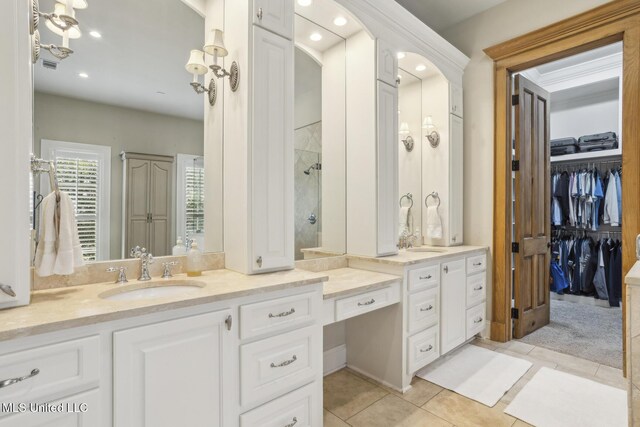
(583, 203)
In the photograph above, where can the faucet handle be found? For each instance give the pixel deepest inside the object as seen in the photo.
(167, 269)
(136, 251)
(122, 276)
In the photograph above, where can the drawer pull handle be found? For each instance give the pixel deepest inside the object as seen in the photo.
(285, 363)
(477, 264)
(283, 314)
(293, 422)
(479, 288)
(7, 290)
(427, 308)
(478, 320)
(367, 302)
(7, 383)
(259, 14)
(229, 322)
(427, 277)
(446, 269)
(425, 350)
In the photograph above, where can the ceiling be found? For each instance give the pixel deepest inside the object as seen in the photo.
(139, 61)
(324, 12)
(581, 58)
(442, 14)
(411, 61)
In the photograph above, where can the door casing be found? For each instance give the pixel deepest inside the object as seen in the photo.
(615, 21)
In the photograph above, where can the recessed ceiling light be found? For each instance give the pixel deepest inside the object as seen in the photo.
(421, 67)
(340, 21)
(83, 75)
(95, 34)
(401, 55)
(305, 2)
(316, 37)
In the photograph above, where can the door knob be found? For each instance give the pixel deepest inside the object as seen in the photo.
(312, 219)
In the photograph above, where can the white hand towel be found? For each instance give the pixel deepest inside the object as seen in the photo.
(434, 223)
(59, 250)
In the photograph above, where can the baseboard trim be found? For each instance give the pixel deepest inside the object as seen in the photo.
(378, 380)
(334, 359)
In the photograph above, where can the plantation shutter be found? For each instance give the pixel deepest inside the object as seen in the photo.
(194, 199)
(80, 179)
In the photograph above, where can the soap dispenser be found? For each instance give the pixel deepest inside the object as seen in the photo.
(194, 261)
(179, 248)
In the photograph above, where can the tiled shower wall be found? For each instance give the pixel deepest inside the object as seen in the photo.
(308, 150)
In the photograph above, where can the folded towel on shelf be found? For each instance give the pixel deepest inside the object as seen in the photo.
(434, 223)
(405, 221)
(59, 250)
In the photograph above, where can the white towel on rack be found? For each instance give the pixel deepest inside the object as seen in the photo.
(405, 221)
(59, 250)
(434, 223)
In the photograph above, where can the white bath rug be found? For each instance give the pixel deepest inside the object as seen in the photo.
(477, 373)
(557, 399)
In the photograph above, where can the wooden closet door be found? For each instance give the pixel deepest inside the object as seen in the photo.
(137, 204)
(160, 207)
(532, 210)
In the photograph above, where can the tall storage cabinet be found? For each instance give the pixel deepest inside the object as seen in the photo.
(258, 129)
(149, 183)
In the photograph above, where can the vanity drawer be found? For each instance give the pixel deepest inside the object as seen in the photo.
(476, 289)
(476, 319)
(422, 349)
(424, 278)
(277, 314)
(424, 309)
(477, 263)
(366, 302)
(271, 367)
(71, 365)
(299, 408)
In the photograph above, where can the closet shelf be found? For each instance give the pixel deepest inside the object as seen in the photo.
(591, 156)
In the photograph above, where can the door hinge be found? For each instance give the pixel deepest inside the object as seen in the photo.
(515, 165)
(515, 99)
(515, 314)
(515, 247)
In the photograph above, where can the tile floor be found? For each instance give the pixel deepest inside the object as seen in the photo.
(351, 399)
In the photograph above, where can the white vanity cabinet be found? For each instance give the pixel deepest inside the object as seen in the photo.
(455, 99)
(275, 16)
(172, 373)
(453, 295)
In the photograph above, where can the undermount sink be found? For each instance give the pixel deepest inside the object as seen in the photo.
(422, 249)
(156, 289)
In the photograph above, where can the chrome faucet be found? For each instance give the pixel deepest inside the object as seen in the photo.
(145, 259)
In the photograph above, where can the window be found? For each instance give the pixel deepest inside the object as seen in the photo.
(190, 197)
(83, 172)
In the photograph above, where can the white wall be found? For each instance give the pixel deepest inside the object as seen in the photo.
(123, 129)
(601, 109)
(501, 23)
(308, 90)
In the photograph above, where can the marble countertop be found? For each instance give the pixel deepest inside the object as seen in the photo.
(61, 308)
(350, 281)
(405, 257)
(633, 277)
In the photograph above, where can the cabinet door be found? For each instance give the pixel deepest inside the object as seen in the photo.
(161, 183)
(172, 373)
(456, 183)
(455, 99)
(387, 169)
(454, 309)
(138, 177)
(274, 15)
(272, 153)
(387, 63)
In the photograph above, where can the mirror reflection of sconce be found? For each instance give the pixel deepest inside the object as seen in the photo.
(431, 132)
(196, 66)
(62, 21)
(408, 139)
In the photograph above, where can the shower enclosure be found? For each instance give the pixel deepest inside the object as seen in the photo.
(308, 190)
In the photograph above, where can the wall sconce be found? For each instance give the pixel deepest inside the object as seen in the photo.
(432, 133)
(197, 67)
(408, 140)
(62, 21)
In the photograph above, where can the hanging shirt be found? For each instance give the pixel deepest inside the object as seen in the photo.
(598, 194)
(619, 195)
(611, 213)
(599, 280)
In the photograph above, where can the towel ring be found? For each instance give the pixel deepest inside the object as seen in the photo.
(409, 197)
(435, 197)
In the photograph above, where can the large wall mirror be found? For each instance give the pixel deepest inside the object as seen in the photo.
(124, 128)
(323, 30)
